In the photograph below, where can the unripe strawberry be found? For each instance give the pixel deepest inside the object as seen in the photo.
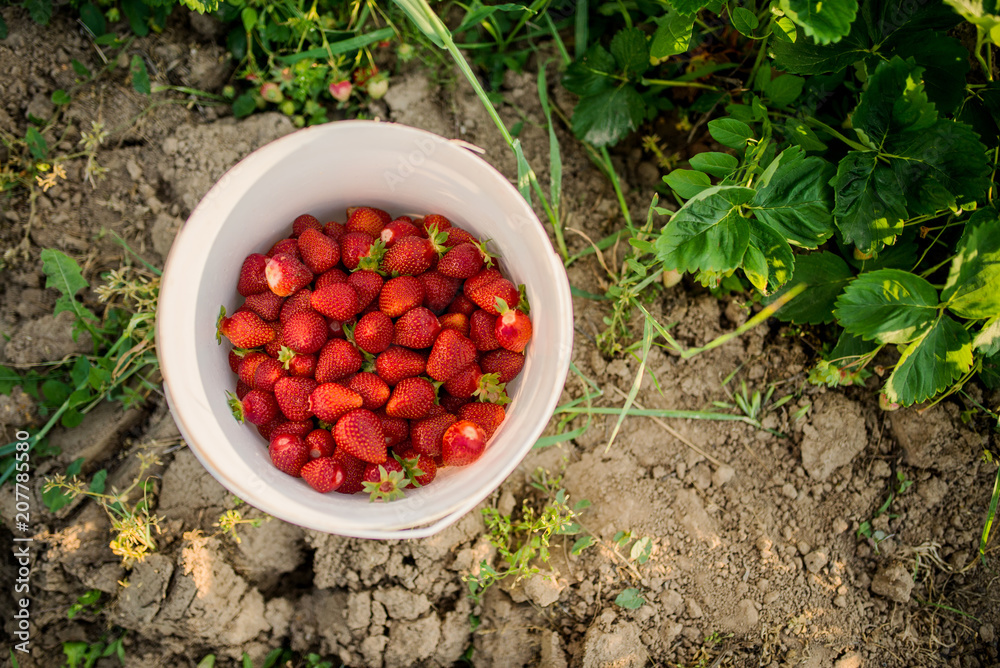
(340, 90)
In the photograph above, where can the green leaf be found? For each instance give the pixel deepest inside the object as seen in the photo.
(3, 28)
(249, 18)
(783, 29)
(582, 544)
(60, 97)
(730, 132)
(945, 62)
(244, 105)
(795, 198)
(930, 363)
(631, 51)
(980, 14)
(97, 482)
(826, 274)
(801, 135)
(39, 10)
(973, 286)
(137, 12)
(716, 164)
(987, 341)
(687, 183)
(825, 21)
(93, 18)
(804, 56)
(771, 248)
(609, 116)
(672, 36)
(9, 379)
(708, 233)
(63, 273)
(592, 73)
(140, 78)
(36, 143)
(641, 550)
(744, 21)
(784, 89)
(888, 305)
(80, 68)
(849, 351)
(630, 599)
(870, 205)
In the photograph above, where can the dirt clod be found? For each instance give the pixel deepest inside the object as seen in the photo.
(893, 582)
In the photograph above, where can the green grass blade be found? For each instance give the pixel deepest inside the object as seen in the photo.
(580, 46)
(343, 46)
(647, 341)
(990, 516)
(555, 159)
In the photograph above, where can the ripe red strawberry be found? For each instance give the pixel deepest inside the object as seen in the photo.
(463, 443)
(481, 326)
(373, 390)
(286, 274)
(265, 304)
(368, 220)
(451, 404)
(400, 294)
(297, 364)
(273, 347)
(505, 363)
(397, 229)
(321, 443)
(266, 430)
(434, 220)
(456, 321)
(489, 296)
(463, 261)
(361, 77)
(337, 359)
(368, 284)
(425, 435)
(323, 474)
(334, 230)
(484, 277)
(252, 280)
(305, 222)
(439, 290)
(244, 329)
(436, 410)
(411, 399)
(305, 332)
(396, 429)
(336, 327)
(417, 328)
(354, 246)
(354, 471)
(359, 433)
(397, 363)
(248, 366)
(456, 236)
(374, 332)
(298, 302)
(470, 380)
(412, 255)
(236, 358)
(293, 397)
(451, 352)
(300, 428)
(462, 304)
(329, 278)
(512, 328)
(288, 453)
(267, 373)
(486, 415)
(319, 252)
(255, 407)
(420, 469)
(285, 247)
(385, 482)
(330, 401)
(242, 389)
(338, 301)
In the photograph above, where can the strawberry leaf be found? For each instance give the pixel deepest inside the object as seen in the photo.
(889, 306)
(930, 363)
(708, 233)
(826, 276)
(794, 198)
(973, 286)
(826, 21)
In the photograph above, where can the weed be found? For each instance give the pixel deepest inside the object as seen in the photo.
(85, 655)
(86, 602)
(232, 518)
(876, 536)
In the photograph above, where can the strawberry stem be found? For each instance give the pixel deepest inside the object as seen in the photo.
(218, 325)
(236, 407)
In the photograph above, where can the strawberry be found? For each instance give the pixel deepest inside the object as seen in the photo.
(512, 328)
(248, 366)
(439, 290)
(255, 407)
(267, 430)
(456, 236)
(462, 304)
(354, 246)
(330, 401)
(397, 363)
(484, 277)
(267, 373)
(456, 321)
(265, 304)
(505, 363)
(286, 274)
(321, 443)
(436, 221)
(244, 329)
(373, 390)
(285, 247)
(417, 328)
(411, 399)
(425, 434)
(400, 294)
(486, 415)
(396, 429)
(420, 469)
(236, 356)
(299, 428)
(305, 222)
(462, 443)
(319, 252)
(338, 301)
(334, 230)
(323, 474)
(337, 327)
(413, 255)
(488, 296)
(451, 352)
(359, 433)
(242, 389)
(337, 359)
(354, 471)
(330, 277)
(397, 229)
(470, 380)
(288, 453)
(481, 326)
(305, 332)
(273, 347)
(451, 404)
(252, 280)
(361, 77)
(436, 410)
(293, 397)
(385, 482)
(303, 366)
(367, 220)
(463, 261)
(374, 332)
(368, 284)
(298, 302)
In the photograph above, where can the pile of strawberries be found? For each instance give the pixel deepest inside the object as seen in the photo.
(372, 353)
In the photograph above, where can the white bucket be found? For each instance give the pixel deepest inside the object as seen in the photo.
(322, 170)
